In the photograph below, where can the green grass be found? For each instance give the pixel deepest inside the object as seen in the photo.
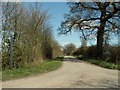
(30, 70)
(104, 64)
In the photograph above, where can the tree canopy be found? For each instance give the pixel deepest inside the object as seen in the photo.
(92, 18)
(69, 49)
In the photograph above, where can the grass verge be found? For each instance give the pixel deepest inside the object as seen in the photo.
(104, 64)
(30, 70)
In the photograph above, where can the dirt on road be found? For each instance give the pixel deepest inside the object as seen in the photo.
(70, 75)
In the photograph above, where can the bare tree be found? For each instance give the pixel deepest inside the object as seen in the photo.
(92, 17)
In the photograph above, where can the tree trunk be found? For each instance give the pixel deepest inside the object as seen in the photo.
(100, 35)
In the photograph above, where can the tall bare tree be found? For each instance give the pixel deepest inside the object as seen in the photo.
(93, 17)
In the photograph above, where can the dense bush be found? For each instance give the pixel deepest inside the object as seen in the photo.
(80, 51)
(80, 57)
(32, 35)
(17, 56)
(5, 60)
(104, 64)
(69, 49)
(114, 56)
(111, 56)
(111, 53)
(57, 51)
(91, 52)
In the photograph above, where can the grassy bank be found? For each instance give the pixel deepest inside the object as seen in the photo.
(101, 63)
(30, 70)
(104, 64)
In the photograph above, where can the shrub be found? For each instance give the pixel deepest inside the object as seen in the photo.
(112, 54)
(5, 60)
(115, 54)
(80, 51)
(104, 64)
(80, 57)
(91, 52)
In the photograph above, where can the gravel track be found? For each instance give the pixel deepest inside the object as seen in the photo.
(70, 75)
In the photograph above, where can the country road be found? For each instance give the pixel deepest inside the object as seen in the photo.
(70, 75)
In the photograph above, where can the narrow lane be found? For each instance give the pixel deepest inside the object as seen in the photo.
(71, 74)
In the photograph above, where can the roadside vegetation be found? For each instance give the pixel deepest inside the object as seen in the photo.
(104, 64)
(31, 69)
(101, 63)
(92, 20)
(109, 60)
(27, 36)
(28, 45)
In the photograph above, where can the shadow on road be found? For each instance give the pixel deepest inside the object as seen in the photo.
(68, 58)
(71, 60)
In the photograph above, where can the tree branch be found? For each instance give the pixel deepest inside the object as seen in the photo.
(80, 21)
(112, 13)
(88, 7)
(113, 24)
(106, 4)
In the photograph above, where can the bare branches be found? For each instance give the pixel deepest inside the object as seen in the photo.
(40, 20)
(98, 4)
(112, 13)
(106, 4)
(80, 21)
(115, 26)
(82, 5)
(92, 8)
(33, 39)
